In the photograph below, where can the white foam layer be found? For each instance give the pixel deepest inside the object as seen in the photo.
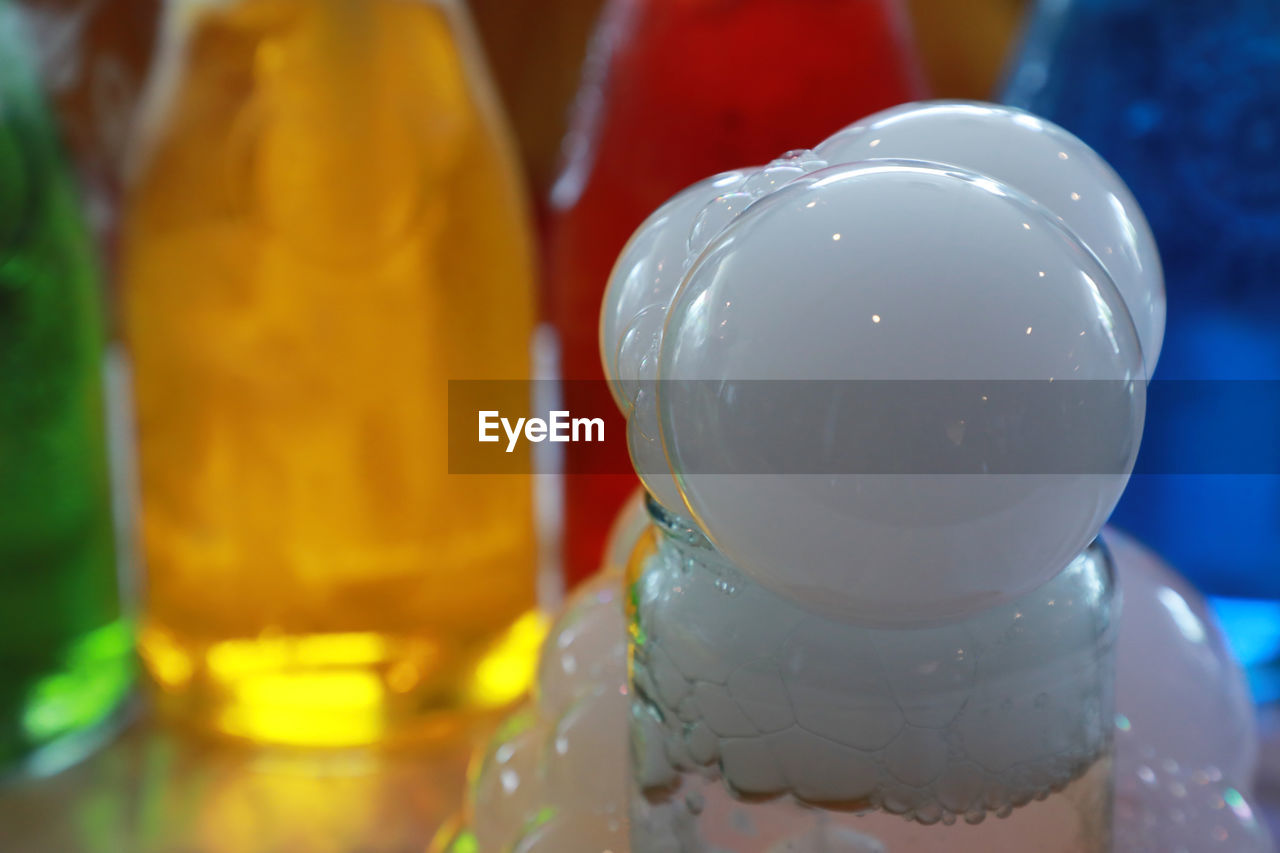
(958, 719)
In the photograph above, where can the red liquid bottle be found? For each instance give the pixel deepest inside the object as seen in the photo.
(675, 91)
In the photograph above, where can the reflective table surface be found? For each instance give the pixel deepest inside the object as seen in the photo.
(157, 789)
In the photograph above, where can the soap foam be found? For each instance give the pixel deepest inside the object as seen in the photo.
(952, 720)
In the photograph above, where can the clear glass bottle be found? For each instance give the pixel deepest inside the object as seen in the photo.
(325, 225)
(758, 726)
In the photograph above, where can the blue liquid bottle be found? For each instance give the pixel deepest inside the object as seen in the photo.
(1183, 99)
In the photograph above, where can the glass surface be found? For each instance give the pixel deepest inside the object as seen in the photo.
(325, 226)
(675, 91)
(535, 49)
(65, 651)
(755, 724)
(1181, 98)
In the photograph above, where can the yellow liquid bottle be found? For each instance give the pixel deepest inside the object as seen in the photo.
(324, 226)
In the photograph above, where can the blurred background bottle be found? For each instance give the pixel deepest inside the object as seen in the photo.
(66, 659)
(535, 49)
(93, 59)
(675, 91)
(325, 225)
(964, 46)
(1183, 99)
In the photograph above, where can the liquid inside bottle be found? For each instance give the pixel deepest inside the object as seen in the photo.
(1181, 100)
(325, 226)
(758, 727)
(65, 649)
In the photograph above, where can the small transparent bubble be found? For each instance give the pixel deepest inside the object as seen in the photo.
(644, 421)
(638, 351)
(803, 158)
(771, 179)
(714, 218)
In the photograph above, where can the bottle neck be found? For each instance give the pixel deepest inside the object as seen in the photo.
(1024, 689)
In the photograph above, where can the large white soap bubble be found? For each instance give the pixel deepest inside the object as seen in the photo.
(857, 392)
(640, 289)
(1180, 695)
(1042, 161)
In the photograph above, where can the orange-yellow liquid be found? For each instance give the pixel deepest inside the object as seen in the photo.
(324, 226)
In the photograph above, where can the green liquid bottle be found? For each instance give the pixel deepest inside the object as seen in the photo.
(65, 650)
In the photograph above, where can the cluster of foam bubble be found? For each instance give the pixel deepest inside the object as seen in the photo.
(944, 242)
(959, 720)
(961, 667)
(1172, 794)
(1013, 147)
